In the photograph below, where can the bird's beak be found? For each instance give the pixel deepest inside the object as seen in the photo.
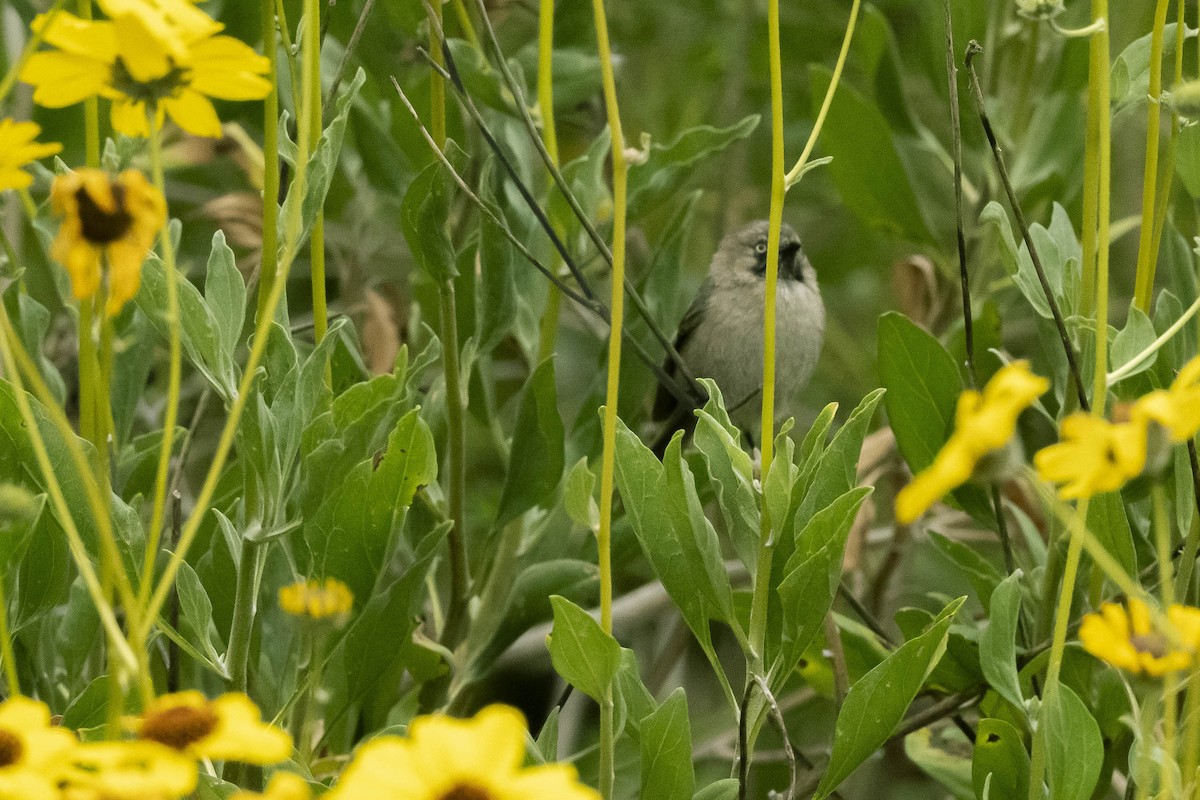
(788, 263)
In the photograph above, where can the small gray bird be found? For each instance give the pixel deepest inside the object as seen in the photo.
(721, 335)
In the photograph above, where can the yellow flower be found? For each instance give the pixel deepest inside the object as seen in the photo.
(1128, 638)
(1176, 409)
(151, 56)
(283, 786)
(30, 747)
(229, 728)
(328, 601)
(983, 424)
(453, 759)
(110, 220)
(18, 149)
(1094, 456)
(127, 771)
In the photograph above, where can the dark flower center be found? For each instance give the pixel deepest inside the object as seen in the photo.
(11, 748)
(467, 791)
(158, 89)
(99, 226)
(179, 727)
(1155, 644)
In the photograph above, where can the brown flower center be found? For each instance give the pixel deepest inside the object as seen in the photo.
(11, 748)
(1155, 644)
(467, 791)
(99, 226)
(179, 727)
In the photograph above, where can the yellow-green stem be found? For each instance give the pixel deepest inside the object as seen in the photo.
(460, 564)
(437, 84)
(10, 353)
(1162, 544)
(91, 109)
(1058, 641)
(270, 215)
(1167, 172)
(1147, 259)
(292, 227)
(620, 175)
(545, 99)
(174, 373)
(464, 22)
(87, 385)
(6, 648)
(1099, 101)
(285, 36)
(312, 31)
(1190, 757)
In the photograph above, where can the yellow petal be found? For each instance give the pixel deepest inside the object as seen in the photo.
(14, 179)
(62, 79)
(228, 69)
(144, 52)
(194, 113)
(129, 117)
(81, 37)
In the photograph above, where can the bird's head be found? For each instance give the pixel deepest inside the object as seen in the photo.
(744, 252)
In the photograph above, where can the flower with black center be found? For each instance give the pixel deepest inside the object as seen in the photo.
(229, 728)
(18, 148)
(30, 748)
(984, 423)
(108, 227)
(1094, 456)
(443, 758)
(159, 56)
(126, 771)
(329, 601)
(1130, 639)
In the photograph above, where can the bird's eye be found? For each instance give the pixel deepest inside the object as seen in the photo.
(760, 248)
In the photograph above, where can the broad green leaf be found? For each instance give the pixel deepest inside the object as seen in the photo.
(731, 472)
(495, 290)
(942, 754)
(634, 701)
(423, 215)
(724, 789)
(20, 510)
(923, 385)
(979, 571)
(1074, 749)
(546, 743)
(666, 744)
(199, 331)
(811, 577)
(1001, 757)
(1131, 70)
(813, 446)
(877, 702)
(579, 496)
(196, 612)
(998, 641)
(876, 187)
(535, 465)
(1107, 519)
(582, 653)
(1187, 159)
(667, 165)
(225, 293)
(837, 469)
(1134, 338)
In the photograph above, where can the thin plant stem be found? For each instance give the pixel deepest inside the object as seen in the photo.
(464, 22)
(956, 131)
(291, 237)
(545, 101)
(270, 213)
(460, 571)
(174, 371)
(87, 358)
(285, 36)
(437, 84)
(6, 647)
(1099, 102)
(245, 605)
(344, 64)
(1129, 366)
(620, 175)
(320, 302)
(1162, 545)
(973, 49)
(1147, 259)
(1167, 173)
(1058, 644)
(91, 109)
(1190, 757)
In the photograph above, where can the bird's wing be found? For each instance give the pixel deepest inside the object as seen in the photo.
(665, 402)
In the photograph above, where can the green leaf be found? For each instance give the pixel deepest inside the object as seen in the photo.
(225, 293)
(724, 789)
(1000, 756)
(322, 164)
(199, 331)
(1132, 341)
(923, 386)
(547, 738)
(837, 469)
(582, 653)
(496, 290)
(998, 641)
(579, 496)
(1131, 70)
(877, 702)
(878, 188)
(811, 577)
(665, 167)
(942, 754)
(731, 472)
(1107, 519)
(196, 612)
(535, 465)
(979, 571)
(1074, 749)
(423, 215)
(1187, 159)
(666, 745)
